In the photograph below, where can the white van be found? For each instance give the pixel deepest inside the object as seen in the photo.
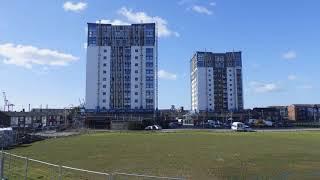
(239, 126)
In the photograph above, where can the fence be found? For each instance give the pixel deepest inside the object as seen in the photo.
(18, 167)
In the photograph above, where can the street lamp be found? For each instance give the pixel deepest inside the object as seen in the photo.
(315, 110)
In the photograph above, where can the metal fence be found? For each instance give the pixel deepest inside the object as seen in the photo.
(19, 167)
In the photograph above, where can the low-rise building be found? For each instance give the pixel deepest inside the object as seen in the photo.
(304, 112)
(4, 121)
(35, 118)
(283, 110)
(267, 113)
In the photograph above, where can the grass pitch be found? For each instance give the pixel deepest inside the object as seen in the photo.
(189, 154)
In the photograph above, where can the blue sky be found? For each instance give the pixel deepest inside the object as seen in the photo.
(42, 54)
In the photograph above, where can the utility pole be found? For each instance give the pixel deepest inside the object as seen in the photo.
(315, 113)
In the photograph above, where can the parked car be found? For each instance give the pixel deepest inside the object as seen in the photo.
(239, 126)
(215, 124)
(153, 127)
(174, 125)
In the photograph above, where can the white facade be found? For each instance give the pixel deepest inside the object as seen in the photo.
(138, 77)
(202, 89)
(121, 67)
(98, 77)
(209, 68)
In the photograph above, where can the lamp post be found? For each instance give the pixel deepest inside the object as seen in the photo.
(315, 113)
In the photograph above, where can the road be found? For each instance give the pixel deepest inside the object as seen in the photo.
(256, 130)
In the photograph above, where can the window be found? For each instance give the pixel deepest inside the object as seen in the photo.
(104, 79)
(136, 71)
(149, 51)
(104, 64)
(149, 85)
(136, 50)
(104, 57)
(105, 50)
(149, 101)
(104, 93)
(136, 57)
(136, 64)
(149, 71)
(136, 93)
(104, 72)
(149, 93)
(149, 78)
(136, 79)
(104, 86)
(149, 64)
(103, 100)
(136, 86)
(149, 58)
(136, 100)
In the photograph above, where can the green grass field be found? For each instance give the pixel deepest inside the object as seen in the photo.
(193, 155)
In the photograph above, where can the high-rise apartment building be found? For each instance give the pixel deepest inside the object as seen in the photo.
(216, 82)
(121, 70)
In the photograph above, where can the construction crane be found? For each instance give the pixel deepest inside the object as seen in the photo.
(7, 103)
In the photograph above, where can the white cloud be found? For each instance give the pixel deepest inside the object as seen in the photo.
(166, 75)
(27, 56)
(259, 87)
(142, 17)
(201, 10)
(289, 55)
(75, 7)
(292, 77)
(212, 3)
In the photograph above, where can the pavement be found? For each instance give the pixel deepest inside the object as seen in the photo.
(50, 134)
